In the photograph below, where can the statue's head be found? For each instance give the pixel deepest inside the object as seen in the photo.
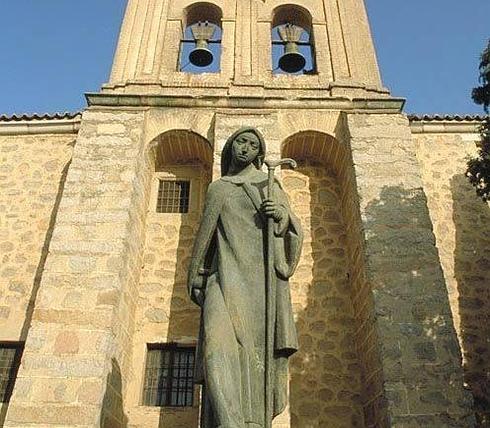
(244, 147)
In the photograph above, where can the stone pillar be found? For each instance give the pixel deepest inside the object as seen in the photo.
(243, 47)
(73, 367)
(420, 361)
(358, 42)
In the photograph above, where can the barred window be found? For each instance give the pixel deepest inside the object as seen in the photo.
(173, 196)
(169, 376)
(10, 355)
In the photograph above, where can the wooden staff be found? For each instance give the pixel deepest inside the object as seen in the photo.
(270, 298)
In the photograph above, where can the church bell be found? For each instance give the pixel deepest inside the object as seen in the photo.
(202, 32)
(292, 60)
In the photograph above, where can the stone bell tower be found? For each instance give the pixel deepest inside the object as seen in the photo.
(377, 342)
(147, 58)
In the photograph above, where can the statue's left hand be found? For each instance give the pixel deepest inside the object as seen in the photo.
(273, 210)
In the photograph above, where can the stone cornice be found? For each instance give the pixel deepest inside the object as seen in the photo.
(385, 105)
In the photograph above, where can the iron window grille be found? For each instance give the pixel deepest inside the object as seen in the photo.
(169, 376)
(173, 196)
(10, 355)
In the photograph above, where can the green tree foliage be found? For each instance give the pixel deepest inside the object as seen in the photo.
(478, 171)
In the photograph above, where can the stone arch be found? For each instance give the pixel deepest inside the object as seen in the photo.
(180, 147)
(164, 312)
(291, 123)
(160, 123)
(266, 10)
(294, 13)
(318, 147)
(180, 8)
(201, 42)
(330, 294)
(289, 18)
(202, 11)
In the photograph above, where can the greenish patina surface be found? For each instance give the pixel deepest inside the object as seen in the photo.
(227, 278)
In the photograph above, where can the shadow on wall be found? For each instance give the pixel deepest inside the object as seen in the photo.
(112, 405)
(419, 350)
(325, 378)
(39, 273)
(472, 271)
(44, 254)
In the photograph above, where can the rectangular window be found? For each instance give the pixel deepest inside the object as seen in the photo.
(173, 196)
(169, 376)
(10, 355)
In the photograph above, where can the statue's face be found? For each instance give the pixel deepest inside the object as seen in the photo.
(245, 148)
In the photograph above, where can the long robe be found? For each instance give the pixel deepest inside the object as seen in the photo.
(228, 266)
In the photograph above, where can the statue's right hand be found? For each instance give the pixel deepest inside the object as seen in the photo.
(198, 296)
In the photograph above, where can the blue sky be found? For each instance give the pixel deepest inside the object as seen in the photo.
(55, 50)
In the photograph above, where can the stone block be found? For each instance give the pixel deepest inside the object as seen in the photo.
(91, 392)
(67, 342)
(111, 128)
(69, 415)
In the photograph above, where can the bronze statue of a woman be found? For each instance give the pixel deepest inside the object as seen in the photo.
(227, 278)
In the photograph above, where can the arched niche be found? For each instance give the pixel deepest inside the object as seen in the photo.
(329, 292)
(164, 313)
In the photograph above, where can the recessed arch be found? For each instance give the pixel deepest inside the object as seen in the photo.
(324, 190)
(176, 170)
(180, 147)
(316, 147)
(292, 13)
(202, 11)
(321, 288)
(161, 121)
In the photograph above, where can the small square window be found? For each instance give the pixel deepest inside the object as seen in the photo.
(169, 376)
(10, 355)
(173, 196)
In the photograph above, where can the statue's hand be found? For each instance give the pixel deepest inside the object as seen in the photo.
(198, 296)
(273, 210)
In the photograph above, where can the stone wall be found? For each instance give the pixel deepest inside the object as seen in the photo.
(113, 279)
(76, 354)
(164, 312)
(325, 385)
(147, 56)
(32, 174)
(462, 229)
(366, 337)
(325, 375)
(420, 357)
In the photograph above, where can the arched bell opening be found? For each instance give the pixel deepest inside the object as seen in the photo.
(293, 49)
(328, 373)
(201, 45)
(179, 170)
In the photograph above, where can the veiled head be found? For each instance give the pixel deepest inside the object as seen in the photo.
(245, 146)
